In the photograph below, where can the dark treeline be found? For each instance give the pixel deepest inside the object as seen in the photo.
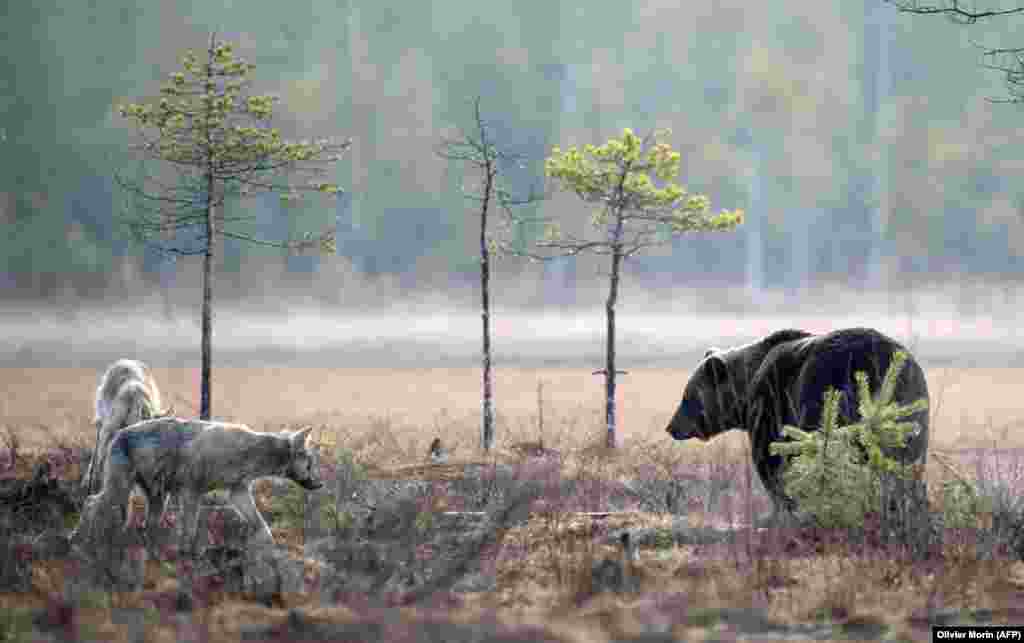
(857, 138)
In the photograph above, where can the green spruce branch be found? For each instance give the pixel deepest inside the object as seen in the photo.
(834, 474)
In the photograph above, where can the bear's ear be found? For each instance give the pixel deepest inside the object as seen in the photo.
(711, 351)
(715, 366)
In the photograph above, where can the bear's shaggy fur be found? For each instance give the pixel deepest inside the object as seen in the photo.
(781, 380)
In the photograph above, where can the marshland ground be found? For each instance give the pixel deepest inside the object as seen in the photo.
(387, 417)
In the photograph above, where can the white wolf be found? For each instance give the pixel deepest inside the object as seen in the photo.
(189, 458)
(127, 394)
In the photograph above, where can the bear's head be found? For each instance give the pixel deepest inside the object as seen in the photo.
(710, 401)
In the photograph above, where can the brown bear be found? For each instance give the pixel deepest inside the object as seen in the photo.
(781, 380)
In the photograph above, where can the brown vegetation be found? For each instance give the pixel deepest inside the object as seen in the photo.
(387, 418)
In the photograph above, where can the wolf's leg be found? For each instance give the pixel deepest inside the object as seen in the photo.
(85, 519)
(96, 519)
(97, 461)
(168, 504)
(188, 519)
(112, 500)
(241, 497)
(172, 503)
(92, 474)
(111, 426)
(154, 512)
(106, 511)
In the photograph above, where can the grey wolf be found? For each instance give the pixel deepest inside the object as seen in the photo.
(781, 380)
(190, 458)
(127, 394)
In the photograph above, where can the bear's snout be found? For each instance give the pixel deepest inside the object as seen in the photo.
(682, 429)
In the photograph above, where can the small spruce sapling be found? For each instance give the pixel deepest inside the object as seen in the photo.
(826, 476)
(835, 474)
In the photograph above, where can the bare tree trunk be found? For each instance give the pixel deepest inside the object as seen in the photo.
(610, 373)
(613, 297)
(207, 314)
(487, 429)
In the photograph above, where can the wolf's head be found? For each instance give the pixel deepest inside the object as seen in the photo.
(304, 466)
(131, 379)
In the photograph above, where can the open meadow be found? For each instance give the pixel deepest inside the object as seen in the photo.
(972, 407)
(386, 418)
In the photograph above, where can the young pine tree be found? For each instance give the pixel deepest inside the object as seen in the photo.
(217, 137)
(637, 205)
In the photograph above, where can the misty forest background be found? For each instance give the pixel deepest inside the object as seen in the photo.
(858, 140)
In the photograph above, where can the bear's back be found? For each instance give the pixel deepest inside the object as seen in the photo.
(789, 389)
(832, 361)
(804, 369)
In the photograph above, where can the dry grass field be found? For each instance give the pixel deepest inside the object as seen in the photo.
(387, 418)
(971, 407)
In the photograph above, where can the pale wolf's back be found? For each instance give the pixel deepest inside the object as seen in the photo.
(127, 394)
